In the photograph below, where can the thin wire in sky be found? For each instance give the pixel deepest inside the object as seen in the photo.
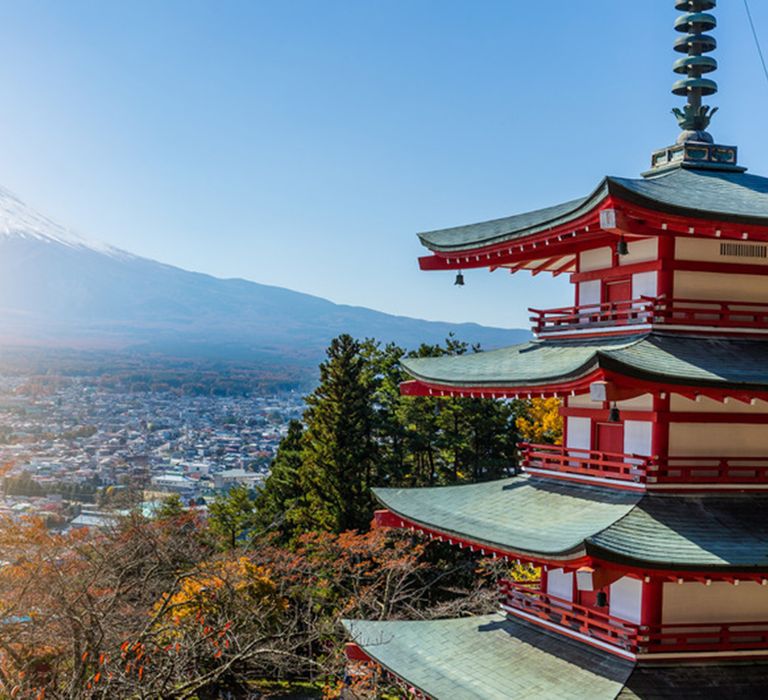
(757, 41)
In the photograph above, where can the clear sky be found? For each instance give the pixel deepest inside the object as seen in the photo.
(303, 143)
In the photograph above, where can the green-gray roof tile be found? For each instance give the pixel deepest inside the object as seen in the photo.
(489, 658)
(734, 681)
(677, 359)
(726, 196)
(522, 514)
(697, 532)
(549, 518)
(495, 658)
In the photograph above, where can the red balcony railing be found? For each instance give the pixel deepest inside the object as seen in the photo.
(568, 461)
(638, 469)
(680, 638)
(614, 313)
(652, 310)
(712, 470)
(704, 636)
(696, 312)
(530, 599)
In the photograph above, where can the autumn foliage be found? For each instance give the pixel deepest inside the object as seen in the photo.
(155, 609)
(540, 421)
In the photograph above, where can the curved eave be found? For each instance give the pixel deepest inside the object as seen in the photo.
(555, 519)
(511, 228)
(534, 366)
(680, 198)
(551, 522)
(579, 381)
(648, 364)
(481, 545)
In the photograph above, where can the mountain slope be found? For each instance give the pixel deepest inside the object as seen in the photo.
(57, 289)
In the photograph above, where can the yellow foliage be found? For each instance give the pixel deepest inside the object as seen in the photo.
(522, 573)
(541, 422)
(217, 583)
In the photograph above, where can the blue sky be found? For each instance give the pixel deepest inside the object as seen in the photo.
(303, 143)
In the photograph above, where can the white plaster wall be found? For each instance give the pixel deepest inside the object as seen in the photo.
(640, 251)
(720, 286)
(709, 251)
(560, 584)
(637, 437)
(579, 433)
(644, 284)
(718, 602)
(589, 293)
(626, 598)
(595, 259)
(718, 440)
(704, 404)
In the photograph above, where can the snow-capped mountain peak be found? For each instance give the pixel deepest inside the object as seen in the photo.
(19, 220)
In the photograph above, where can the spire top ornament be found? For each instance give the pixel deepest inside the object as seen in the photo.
(695, 147)
(694, 117)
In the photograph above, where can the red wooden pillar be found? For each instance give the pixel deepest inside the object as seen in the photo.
(660, 431)
(650, 612)
(667, 271)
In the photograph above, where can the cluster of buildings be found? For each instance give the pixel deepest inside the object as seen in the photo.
(71, 451)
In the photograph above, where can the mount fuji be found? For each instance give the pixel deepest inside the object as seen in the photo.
(62, 291)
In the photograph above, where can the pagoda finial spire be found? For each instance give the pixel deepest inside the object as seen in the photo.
(694, 117)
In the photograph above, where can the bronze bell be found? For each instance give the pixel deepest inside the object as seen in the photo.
(459, 279)
(621, 247)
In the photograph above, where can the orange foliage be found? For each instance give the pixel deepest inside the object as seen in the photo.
(214, 583)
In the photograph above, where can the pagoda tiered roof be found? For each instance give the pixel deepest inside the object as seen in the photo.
(722, 363)
(730, 197)
(549, 521)
(495, 658)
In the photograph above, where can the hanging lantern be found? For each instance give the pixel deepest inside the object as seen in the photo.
(621, 247)
(459, 279)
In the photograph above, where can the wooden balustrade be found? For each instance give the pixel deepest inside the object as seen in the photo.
(638, 469)
(679, 638)
(591, 622)
(647, 310)
(712, 470)
(566, 460)
(698, 312)
(591, 315)
(706, 636)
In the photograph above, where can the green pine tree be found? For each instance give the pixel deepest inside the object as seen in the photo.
(281, 493)
(231, 515)
(339, 453)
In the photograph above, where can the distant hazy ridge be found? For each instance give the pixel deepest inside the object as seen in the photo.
(59, 290)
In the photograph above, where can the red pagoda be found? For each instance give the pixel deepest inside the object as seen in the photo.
(650, 524)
